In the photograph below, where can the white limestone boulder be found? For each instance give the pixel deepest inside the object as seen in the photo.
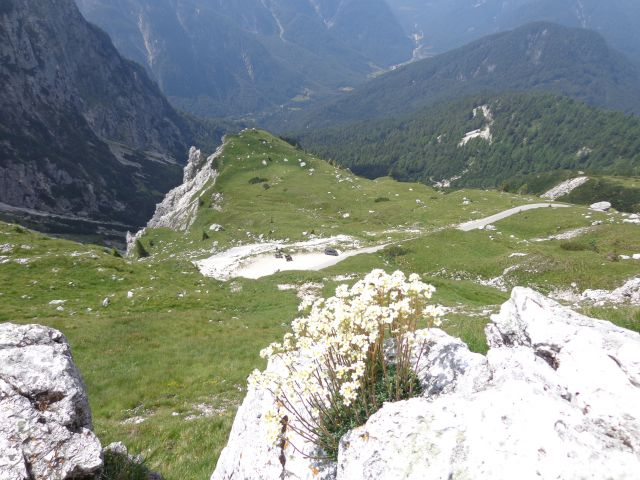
(248, 456)
(45, 420)
(446, 365)
(601, 206)
(562, 401)
(556, 397)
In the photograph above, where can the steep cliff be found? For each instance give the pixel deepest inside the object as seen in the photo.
(87, 140)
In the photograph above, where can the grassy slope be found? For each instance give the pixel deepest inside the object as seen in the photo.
(183, 339)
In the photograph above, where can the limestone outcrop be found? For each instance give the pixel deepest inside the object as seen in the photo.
(564, 188)
(179, 207)
(557, 396)
(45, 419)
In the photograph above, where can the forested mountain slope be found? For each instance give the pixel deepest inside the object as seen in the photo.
(441, 25)
(539, 56)
(485, 141)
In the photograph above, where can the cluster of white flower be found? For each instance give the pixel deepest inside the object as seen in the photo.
(325, 362)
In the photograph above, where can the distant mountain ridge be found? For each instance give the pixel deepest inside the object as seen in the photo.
(85, 135)
(235, 57)
(446, 24)
(539, 56)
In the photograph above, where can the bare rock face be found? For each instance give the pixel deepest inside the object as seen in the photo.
(45, 419)
(179, 207)
(448, 366)
(557, 396)
(86, 138)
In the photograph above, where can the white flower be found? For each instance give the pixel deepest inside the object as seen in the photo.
(348, 391)
(342, 291)
(325, 358)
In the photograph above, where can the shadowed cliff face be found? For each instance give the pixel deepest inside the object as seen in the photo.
(84, 133)
(232, 57)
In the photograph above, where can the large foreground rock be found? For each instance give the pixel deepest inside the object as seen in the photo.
(556, 397)
(45, 420)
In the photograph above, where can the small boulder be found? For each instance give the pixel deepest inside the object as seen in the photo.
(45, 420)
(601, 206)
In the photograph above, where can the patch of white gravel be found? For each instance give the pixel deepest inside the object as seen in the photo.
(307, 292)
(344, 278)
(204, 410)
(484, 132)
(627, 293)
(134, 420)
(499, 282)
(258, 260)
(568, 235)
(564, 188)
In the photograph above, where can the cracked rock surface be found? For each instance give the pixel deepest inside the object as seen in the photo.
(45, 419)
(556, 397)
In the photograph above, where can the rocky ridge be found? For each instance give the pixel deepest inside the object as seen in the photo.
(557, 396)
(177, 210)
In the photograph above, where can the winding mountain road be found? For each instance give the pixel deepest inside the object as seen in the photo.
(483, 222)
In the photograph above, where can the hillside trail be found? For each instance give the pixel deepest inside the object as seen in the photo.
(483, 222)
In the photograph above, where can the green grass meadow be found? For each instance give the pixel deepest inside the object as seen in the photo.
(166, 367)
